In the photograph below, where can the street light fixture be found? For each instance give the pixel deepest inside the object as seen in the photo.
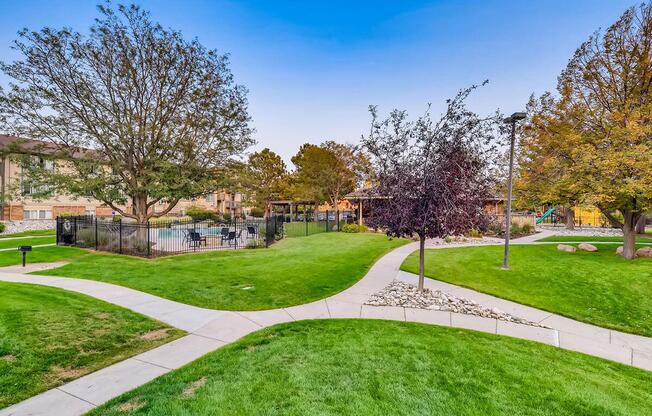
(508, 214)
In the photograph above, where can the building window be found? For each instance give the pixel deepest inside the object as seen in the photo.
(210, 198)
(90, 212)
(37, 214)
(27, 187)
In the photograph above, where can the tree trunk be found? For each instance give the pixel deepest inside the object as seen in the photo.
(629, 234)
(141, 237)
(422, 253)
(640, 225)
(569, 219)
(140, 208)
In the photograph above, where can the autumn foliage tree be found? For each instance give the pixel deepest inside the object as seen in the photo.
(264, 179)
(160, 116)
(597, 134)
(432, 174)
(541, 179)
(327, 172)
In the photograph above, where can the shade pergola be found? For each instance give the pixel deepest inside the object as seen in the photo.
(362, 194)
(293, 205)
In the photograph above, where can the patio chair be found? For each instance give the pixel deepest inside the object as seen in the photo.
(233, 237)
(224, 233)
(251, 231)
(195, 239)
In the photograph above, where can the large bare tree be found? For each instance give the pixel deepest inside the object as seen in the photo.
(160, 115)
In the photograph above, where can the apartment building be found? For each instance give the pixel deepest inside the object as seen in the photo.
(18, 201)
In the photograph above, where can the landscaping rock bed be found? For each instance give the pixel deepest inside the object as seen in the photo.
(455, 241)
(583, 232)
(30, 225)
(403, 294)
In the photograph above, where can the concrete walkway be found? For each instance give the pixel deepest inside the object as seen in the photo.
(38, 245)
(210, 329)
(27, 237)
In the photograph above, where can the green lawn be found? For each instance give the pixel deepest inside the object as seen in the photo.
(601, 239)
(41, 255)
(358, 367)
(599, 288)
(301, 229)
(49, 336)
(49, 232)
(26, 242)
(291, 272)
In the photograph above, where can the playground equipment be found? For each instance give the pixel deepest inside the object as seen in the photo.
(545, 215)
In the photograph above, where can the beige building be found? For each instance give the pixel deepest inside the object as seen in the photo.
(18, 203)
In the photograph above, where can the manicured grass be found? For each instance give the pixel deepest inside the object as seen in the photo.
(292, 271)
(301, 229)
(599, 288)
(51, 231)
(26, 242)
(601, 239)
(41, 255)
(357, 367)
(49, 336)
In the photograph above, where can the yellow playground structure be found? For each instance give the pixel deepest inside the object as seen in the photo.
(590, 216)
(584, 216)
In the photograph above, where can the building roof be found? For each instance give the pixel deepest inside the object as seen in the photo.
(364, 193)
(20, 145)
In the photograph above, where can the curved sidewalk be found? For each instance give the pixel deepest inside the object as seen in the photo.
(210, 329)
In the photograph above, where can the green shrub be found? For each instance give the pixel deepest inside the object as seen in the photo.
(253, 244)
(117, 218)
(201, 214)
(354, 228)
(257, 212)
(2, 227)
(226, 217)
(475, 233)
(86, 238)
(521, 229)
(68, 214)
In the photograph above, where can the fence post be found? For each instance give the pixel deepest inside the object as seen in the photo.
(96, 233)
(149, 249)
(337, 218)
(326, 220)
(120, 236)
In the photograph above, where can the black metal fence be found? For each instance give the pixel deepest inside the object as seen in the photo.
(167, 237)
(313, 223)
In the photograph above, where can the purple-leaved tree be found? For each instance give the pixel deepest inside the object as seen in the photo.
(433, 176)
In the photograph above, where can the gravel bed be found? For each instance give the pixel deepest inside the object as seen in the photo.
(403, 294)
(466, 241)
(584, 232)
(28, 225)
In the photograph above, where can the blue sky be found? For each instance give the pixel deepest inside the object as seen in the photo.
(313, 68)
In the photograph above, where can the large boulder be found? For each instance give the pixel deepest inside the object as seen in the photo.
(587, 247)
(566, 248)
(620, 250)
(644, 252)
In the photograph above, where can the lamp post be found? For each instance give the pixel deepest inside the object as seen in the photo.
(508, 213)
